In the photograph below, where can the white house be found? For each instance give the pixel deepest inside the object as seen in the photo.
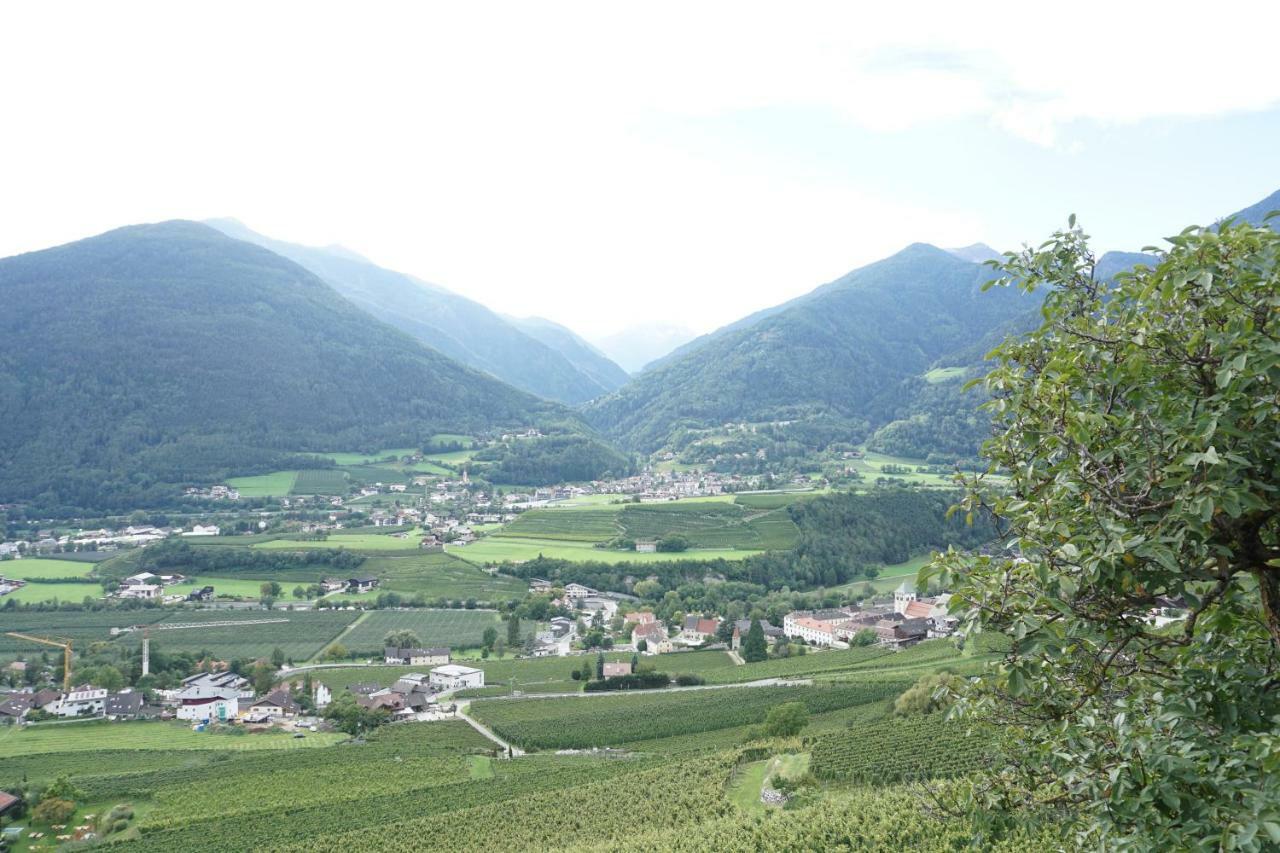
(455, 677)
(203, 530)
(576, 591)
(415, 657)
(82, 702)
(138, 590)
(221, 705)
(812, 631)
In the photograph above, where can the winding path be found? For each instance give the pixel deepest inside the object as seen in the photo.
(508, 749)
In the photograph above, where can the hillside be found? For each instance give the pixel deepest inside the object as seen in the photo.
(163, 354)
(459, 327)
(583, 356)
(1254, 214)
(841, 352)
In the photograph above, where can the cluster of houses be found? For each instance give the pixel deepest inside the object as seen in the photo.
(80, 702)
(415, 692)
(906, 622)
(214, 493)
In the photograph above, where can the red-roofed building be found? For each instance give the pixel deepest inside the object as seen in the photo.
(918, 609)
(699, 629)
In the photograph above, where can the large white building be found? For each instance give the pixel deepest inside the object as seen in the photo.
(79, 702)
(455, 677)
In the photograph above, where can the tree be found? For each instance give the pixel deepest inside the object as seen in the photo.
(402, 638)
(299, 591)
(63, 788)
(673, 544)
(642, 646)
(865, 637)
(587, 669)
(513, 630)
(754, 646)
(337, 651)
(490, 636)
(277, 657)
(786, 720)
(600, 665)
(53, 810)
(500, 647)
(270, 589)
(1137, 425)
(264, 676)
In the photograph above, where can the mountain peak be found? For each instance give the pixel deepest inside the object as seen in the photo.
(978, 253)
(1255, 214)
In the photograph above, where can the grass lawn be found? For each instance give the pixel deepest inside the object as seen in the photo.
(889, 578)
(41, 568)
(442, 438)
(34, 592)
(80, 737)
(238, 587)
(944, 374)
(350, 541)
(744, 790)
(277, 484)
(498, 550)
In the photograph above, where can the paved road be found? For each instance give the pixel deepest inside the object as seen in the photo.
(763, 682)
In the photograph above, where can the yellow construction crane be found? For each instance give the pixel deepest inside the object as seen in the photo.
(63, 643)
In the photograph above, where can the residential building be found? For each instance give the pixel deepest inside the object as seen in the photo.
(361, 584)
(276, 704)
(455, 677)
(640, 617)
(740, 628)
(646, 546)
(415, 657)
(654, 635)
(699, 629)
(84, 702)
(813, 631)
(125, 705)
(576, 591)
(208, 705)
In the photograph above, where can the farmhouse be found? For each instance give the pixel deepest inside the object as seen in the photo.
(139, 590)
(361, 584)
(455, 677)
(221, 705)
(15, 708)
(276, 704)
(901, 633)
(539, 585)
(699, 629)
(415, 657)
(203, 530)
(646, 546)
(127, 705)
(204, 593)
(654, 635)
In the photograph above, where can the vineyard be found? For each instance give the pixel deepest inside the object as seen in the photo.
(440, 576)
(611, 720)
(88, 737)
(299, 634)
(902, 749)
(576, 525)
(79, 625)
(319, 481)
(453, 628)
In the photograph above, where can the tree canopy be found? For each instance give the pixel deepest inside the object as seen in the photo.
(1138, 424)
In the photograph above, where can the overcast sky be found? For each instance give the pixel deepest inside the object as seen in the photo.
(605, 164)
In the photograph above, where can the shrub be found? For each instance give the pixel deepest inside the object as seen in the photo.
(54, 810)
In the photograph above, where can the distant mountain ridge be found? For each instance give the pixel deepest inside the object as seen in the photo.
(581, 354)
(157, 355)
(456, 326)
(639, 347)
(841, 352)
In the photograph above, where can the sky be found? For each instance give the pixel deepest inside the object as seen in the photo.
(604, 165)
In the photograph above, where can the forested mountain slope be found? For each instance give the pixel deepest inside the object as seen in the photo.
(459, 327)
(157, 355)
(841, 352)
(587, 359)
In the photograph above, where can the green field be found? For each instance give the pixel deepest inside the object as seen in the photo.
(350, 541)
(944, 374)
(440, 576)
(320, 481)
(237, 587)
(36, 592)
(42, 568)
(86, 737)
(273, 485)
(81, 626)
(358, 458)
(453, 628)
(493, 549)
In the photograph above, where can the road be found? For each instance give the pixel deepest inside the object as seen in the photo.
(508, 749)
(763, 682)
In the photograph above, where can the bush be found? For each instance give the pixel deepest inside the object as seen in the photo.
(54, 810)
(786, 720)
(933, 692)
(686, 679)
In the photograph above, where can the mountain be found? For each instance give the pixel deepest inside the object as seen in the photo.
(1254, 214)
(976, 253)
(459, 327)
(636, 346)
(158, 355)
(839, 355)
(583, 356)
